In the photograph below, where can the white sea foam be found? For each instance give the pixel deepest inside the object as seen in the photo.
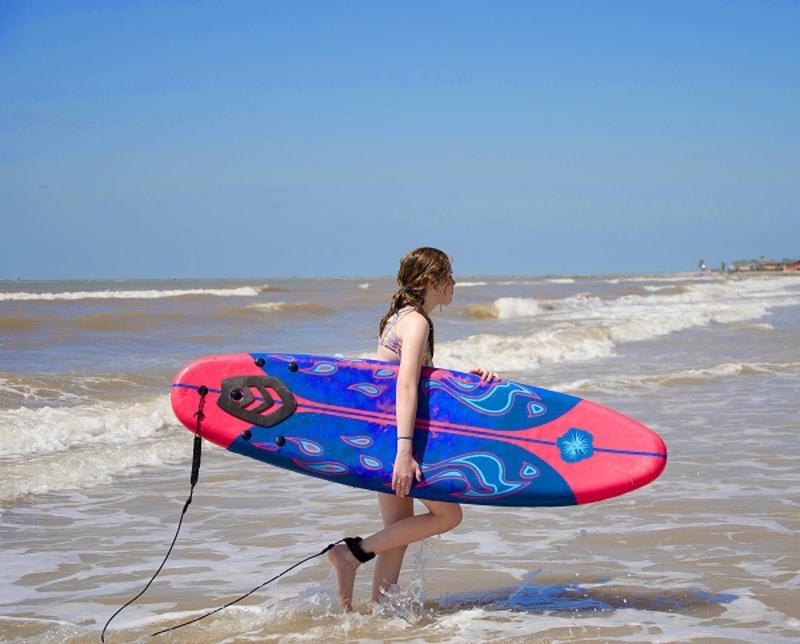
(524, 352)
(48, 449)
(289, 307)
(515, 307)
(18, 390)
(267, 306)
(679, 377)
(506, 308)
(87, 467)
(40, 389)
(561, 280)
(22, 430)
(509, 308)
(583, 327)
(365, 285)
(519, 282)
(678, 277)
(470, 284)
(241, 291)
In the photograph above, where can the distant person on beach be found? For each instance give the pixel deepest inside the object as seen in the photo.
(425, 280)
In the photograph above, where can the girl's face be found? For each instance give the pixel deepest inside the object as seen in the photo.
(444, 289)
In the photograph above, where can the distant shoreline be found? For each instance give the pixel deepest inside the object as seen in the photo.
(375, 278)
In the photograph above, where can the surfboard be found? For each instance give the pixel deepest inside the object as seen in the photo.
(489, 443)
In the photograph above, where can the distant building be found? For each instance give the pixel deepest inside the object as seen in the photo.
(744, 266)
(765, 265)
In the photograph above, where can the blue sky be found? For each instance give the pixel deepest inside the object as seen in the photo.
(198, 139)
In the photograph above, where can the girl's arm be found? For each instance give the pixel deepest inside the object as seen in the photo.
(415, 338)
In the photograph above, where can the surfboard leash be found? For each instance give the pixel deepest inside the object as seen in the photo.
(195, 475)
(249, 592)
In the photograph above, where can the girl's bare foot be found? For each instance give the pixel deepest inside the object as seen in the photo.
(345, 564)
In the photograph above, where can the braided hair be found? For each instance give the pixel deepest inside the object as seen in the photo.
(418, 269)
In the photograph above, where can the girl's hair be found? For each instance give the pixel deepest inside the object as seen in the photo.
(418, 269)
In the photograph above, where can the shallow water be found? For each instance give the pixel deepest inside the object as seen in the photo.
(94, 468)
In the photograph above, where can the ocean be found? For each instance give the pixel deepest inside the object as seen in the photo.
(94, 468)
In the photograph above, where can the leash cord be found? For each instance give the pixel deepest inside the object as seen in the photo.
(196, 453)
(247, 594)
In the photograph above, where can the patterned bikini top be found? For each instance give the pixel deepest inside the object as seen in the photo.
(392, 341)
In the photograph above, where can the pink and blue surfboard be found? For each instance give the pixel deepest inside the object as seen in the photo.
(497, 443)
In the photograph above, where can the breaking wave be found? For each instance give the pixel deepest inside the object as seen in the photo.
(678, 277)
(308, 308)
(43, 389)
(509, 308)
(584, 327)
(150, 294)
(49, 449)
(680, 377)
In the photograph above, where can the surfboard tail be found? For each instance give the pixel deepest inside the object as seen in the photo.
(615, 443)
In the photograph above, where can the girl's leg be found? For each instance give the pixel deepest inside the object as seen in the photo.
(440, 517)
(388, 563)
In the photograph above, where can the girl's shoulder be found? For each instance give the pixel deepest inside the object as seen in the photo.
(413, 324)
(411, 317)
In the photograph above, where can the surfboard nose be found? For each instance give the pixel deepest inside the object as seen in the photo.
(211, 372)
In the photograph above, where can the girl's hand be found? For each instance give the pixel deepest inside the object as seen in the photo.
(406, 469)
(485, 374)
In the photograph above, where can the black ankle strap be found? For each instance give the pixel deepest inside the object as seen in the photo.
(354, 544)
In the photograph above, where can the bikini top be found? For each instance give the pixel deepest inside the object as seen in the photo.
(392, 341)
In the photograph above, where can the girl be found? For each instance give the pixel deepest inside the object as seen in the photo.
(426, 280)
